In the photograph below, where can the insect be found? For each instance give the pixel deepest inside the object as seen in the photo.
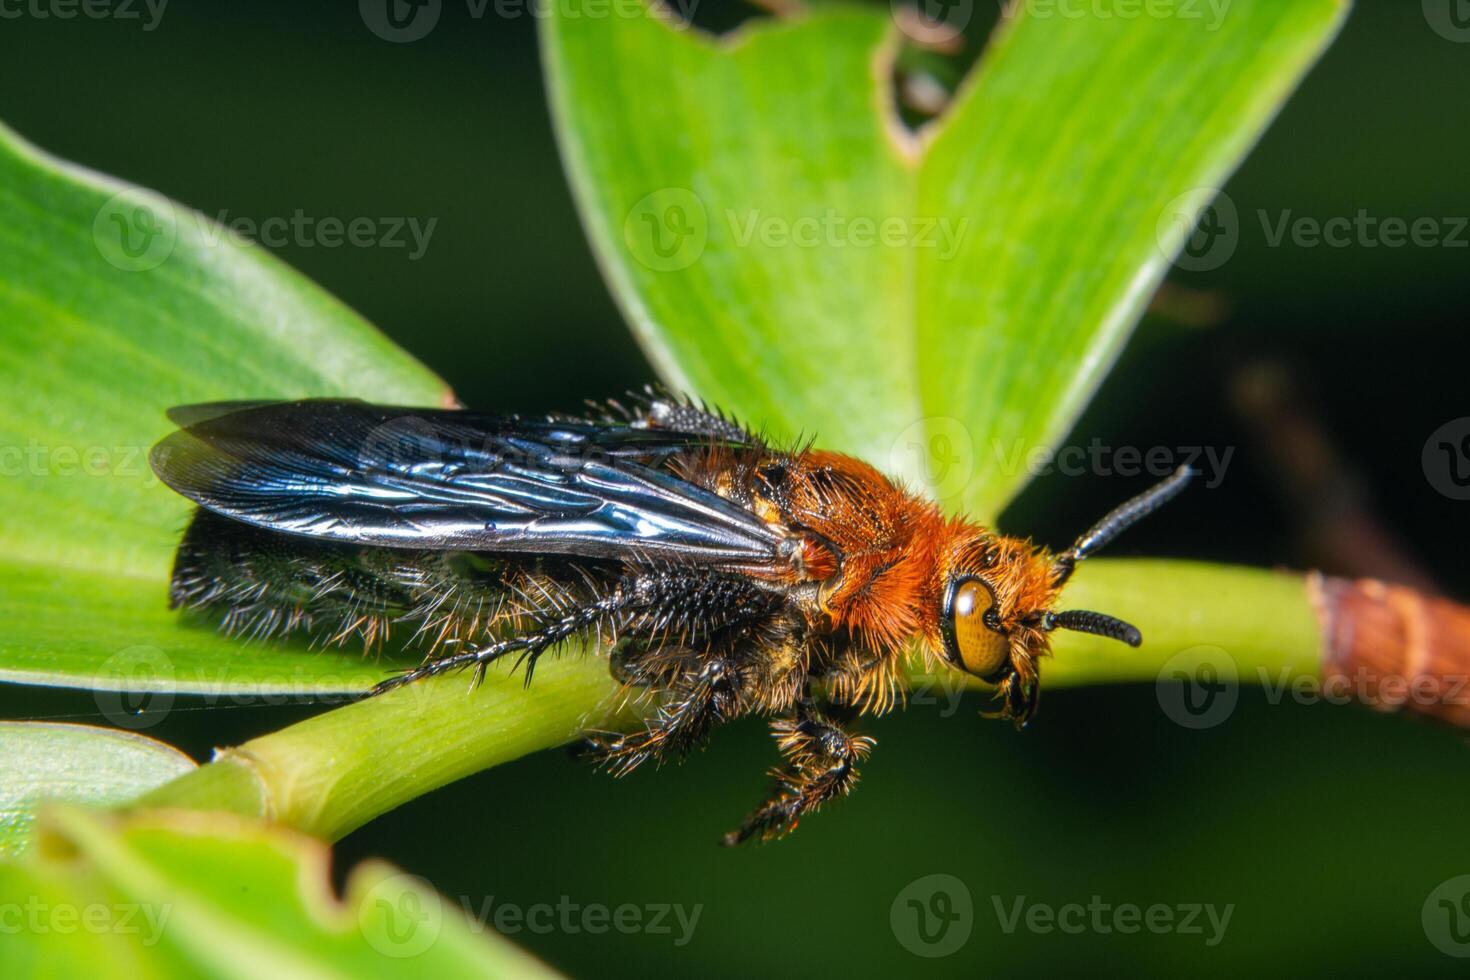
(729, 576)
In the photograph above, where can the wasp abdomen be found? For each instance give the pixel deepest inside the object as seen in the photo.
(265, 584)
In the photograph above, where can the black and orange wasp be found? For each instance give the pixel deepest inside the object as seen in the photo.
(727, 576)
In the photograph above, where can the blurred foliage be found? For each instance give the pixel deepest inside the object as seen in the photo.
(77, 764)
(207, 894)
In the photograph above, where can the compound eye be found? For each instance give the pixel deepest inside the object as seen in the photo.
(983, 650)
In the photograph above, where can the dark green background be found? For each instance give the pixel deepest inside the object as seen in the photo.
(1326, 828)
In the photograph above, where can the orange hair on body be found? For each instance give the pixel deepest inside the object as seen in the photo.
(883, 555)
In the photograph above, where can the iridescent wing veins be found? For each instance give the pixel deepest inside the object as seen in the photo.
(439, 479)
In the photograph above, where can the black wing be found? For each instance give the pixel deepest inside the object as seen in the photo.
(442, 479)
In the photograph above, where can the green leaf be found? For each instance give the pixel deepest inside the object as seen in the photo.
(115, 633)
(940, 305)
(209, 895)
(47, 763)
(116, 304)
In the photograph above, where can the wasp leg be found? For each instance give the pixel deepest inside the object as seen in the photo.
(821, 764)
(738, 675)
(700, 699)
(530, 645)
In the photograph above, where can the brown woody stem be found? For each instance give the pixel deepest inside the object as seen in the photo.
(1393, 648)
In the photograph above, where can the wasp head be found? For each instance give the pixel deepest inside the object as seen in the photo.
(998, 601)
(994, 602)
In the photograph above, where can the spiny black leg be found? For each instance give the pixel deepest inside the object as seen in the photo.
(653, 605)
(530, 645)
(701, 699)
(821, 764)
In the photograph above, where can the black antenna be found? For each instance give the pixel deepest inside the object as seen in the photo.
(1119, 520)
(1098, 624)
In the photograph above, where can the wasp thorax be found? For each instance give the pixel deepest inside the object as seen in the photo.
(982, 649)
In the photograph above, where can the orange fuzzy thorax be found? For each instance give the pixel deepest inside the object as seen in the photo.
(898, 551)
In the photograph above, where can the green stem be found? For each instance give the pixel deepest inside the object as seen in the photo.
(335, 772)
(1262, 621)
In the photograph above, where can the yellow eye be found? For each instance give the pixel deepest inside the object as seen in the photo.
(982, 651)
